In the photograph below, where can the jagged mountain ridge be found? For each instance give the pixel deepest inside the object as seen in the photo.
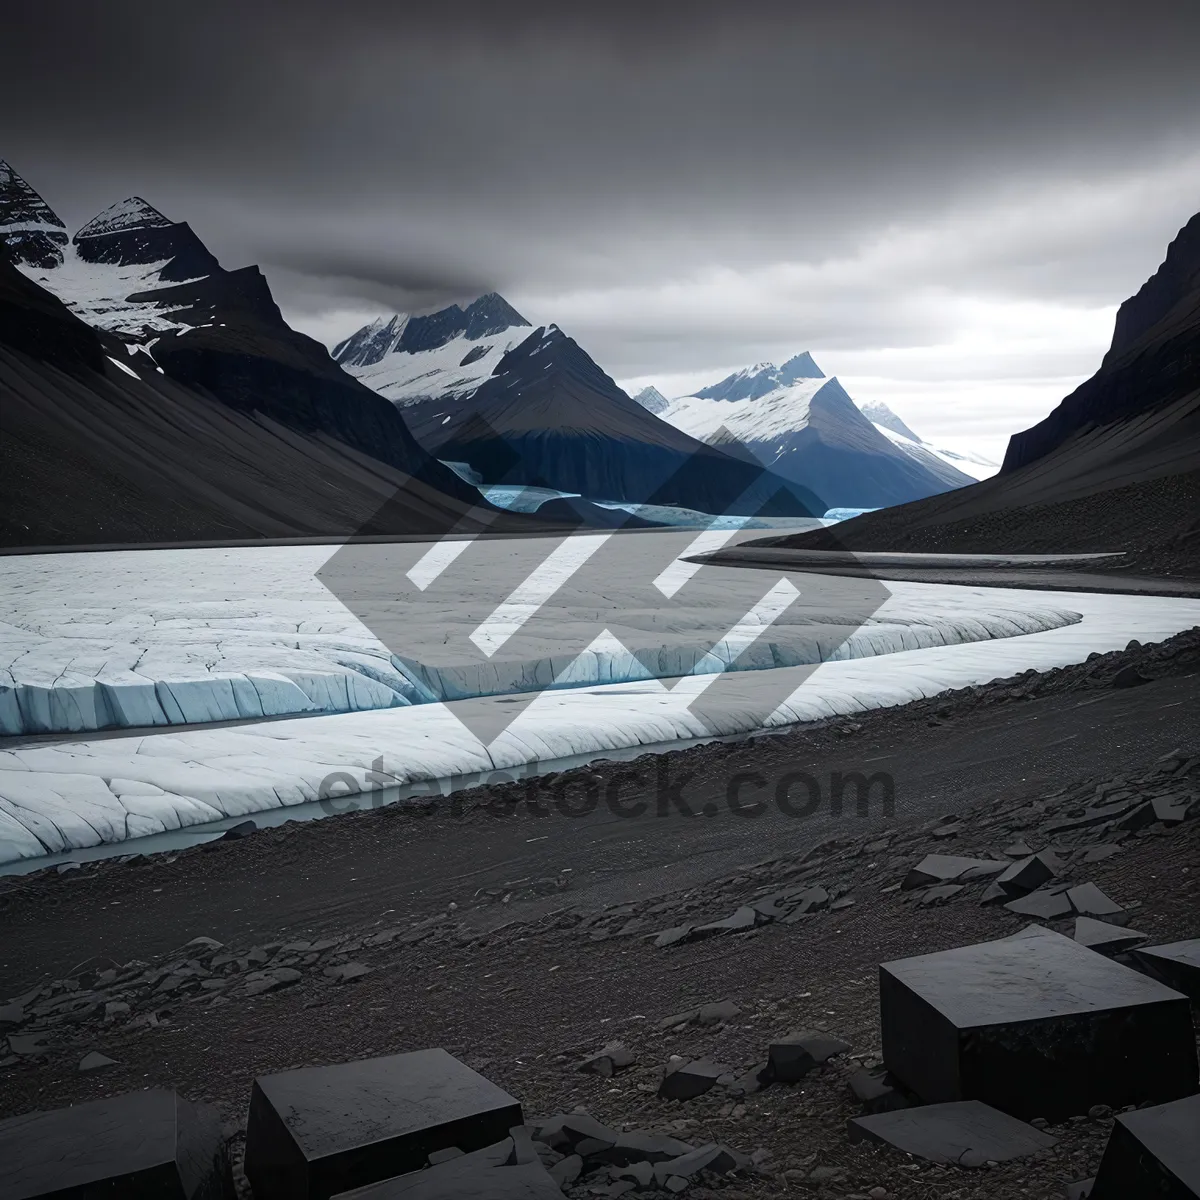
(652, 400)
(30, 231)
(448, 353)
(763, 378)
(542, 413)
(411, 333)
(881, 416)
(1153, 359)
(99, 449)
(550, 417)
(900, 435)
(810, 431)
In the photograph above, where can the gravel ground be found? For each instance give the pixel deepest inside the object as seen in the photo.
(524, 988)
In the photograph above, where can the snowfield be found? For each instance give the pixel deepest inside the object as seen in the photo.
(753, 420)
(259, 630)
(171, 637)
(447, 372)
(94, 291)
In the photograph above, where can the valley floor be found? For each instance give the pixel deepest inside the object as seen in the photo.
(522, 942)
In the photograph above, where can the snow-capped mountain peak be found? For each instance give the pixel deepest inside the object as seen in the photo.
(449, 352)
(130, 213)
(652, 400)
(800, 366)
(371, 343)
(754, 417)
(918, 449)
(750, 383)
(879, 414)
(412, 333)
(20, 206)
(31, 232)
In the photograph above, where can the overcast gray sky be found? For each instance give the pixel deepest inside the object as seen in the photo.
(943, 201)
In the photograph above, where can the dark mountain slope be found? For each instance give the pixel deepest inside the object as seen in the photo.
(161, 305)
(1116, 466)
(97, 451)
(550, 417)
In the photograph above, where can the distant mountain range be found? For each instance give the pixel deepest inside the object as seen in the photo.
(149, 394)
(171, 391)
(804, 426)
(519, 405)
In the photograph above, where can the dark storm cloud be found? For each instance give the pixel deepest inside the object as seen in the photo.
(378, 153)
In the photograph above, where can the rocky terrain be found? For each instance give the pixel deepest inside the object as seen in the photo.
(696, 991)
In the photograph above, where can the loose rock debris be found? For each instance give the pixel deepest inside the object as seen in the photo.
(55, 1017)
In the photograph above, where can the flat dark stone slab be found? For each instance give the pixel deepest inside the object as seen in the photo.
(742, 919)
(1035, 1025)
(1177, 964)
(148, 1143)
(1047, 905)
(483, 1175)
(567, 1133)
(1154, 1152)
(1105, 938)
(948, 868)
(965, 1133)
(1089, 901)
(318, 1131)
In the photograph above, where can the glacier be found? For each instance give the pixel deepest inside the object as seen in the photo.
(69, 796)
(144, 638)
(203, 637)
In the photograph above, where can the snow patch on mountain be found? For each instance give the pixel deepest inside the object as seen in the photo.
(131, 213)
(95, 293)
(974, 465)
(754, 418)
(31, 233)
(413, 333)
(916, 447)
(452, 370)
(448, 353)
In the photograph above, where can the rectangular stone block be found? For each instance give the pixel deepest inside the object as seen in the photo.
(1036, 1026)
(151, 1144)
(318, 1131)
(1153, 1152)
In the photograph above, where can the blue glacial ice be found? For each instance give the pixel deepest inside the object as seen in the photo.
(79, 794)
(191, 637)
